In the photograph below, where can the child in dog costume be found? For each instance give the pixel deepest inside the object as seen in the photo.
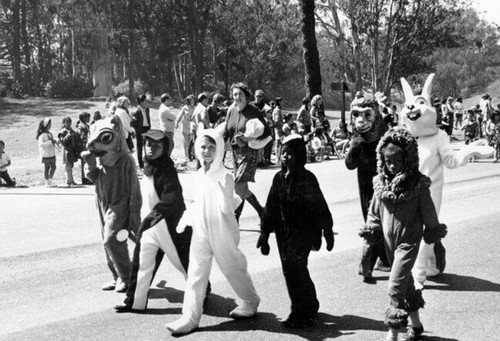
(215, 235)
(435, 153)
(162, 209)
(368, 128)
(118, 197)
(400, 207)
(297, 212)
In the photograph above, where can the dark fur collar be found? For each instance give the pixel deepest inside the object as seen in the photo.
(401, 188)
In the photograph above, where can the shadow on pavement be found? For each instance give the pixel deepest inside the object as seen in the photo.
(453, 282)
(328, 327)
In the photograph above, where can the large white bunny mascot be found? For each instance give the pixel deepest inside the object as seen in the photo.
(435, 153)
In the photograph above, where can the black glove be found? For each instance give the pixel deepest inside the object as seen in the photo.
(330, 239)
(435, 234)
(263, 243)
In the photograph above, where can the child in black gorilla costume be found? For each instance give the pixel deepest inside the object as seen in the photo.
(369, 127)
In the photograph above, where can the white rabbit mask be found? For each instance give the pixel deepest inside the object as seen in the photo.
(418, 113)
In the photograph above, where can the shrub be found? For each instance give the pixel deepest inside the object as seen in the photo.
(139, 88)
(69, 87)
(10, 87)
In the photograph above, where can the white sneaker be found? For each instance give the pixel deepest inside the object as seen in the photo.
(184, 325)
(245, 310)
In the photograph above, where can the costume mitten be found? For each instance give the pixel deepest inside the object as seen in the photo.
(435, 234)
(263, 243)
(371, 233)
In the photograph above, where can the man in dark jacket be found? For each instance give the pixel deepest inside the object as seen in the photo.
(141, 122)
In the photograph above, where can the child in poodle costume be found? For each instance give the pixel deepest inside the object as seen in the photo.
(111, 167)
(400, 207)
(435, 153)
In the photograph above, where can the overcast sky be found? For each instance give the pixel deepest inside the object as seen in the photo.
(490, 9)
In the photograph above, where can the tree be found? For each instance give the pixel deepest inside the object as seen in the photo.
(310, 49)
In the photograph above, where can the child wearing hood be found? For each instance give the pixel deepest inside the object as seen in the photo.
(297, 212)
(215, 235)
(400, 207)
(161, 211)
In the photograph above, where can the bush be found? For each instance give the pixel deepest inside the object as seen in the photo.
(139, 88)
(69, 88)
(9, 87)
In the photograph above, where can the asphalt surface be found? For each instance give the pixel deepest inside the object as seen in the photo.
(52, 267)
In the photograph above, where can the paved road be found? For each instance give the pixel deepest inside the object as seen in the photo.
(52, 267)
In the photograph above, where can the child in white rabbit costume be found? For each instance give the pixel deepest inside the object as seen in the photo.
(435, 153)
(215, 235)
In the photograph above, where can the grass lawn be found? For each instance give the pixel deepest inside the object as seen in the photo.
(19, 121)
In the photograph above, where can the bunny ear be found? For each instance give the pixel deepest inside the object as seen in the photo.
(427, 90)
(407, 91)
(220, 128)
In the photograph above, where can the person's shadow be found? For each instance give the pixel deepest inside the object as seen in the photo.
(454, 282)
(328, 326)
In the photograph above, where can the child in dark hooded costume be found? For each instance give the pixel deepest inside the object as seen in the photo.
(368, 128)
(162, 208)
(297, 212)
(400, 207)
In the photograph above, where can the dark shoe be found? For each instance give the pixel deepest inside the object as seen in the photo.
(369, 279)
(123, 308)
(414, 334)
(299, 322)
(109, 286)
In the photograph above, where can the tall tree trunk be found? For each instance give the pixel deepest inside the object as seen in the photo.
(131, 42)
(26, 49)
(16, 41)
(73, 54)
(310, 50)
(195, 46)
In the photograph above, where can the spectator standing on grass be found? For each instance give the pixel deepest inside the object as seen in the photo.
(458, 108)
(83, 130)
(96, 117)
(491, 126)
(185, 118)
(199, 116)
(47, 149)
(4, 163)
(213, 110)
(304, 116)
(122, 111)
(69, 140)
(142, 123)
(470, 127)
(278, 127)
(260, 103)
(167, 119)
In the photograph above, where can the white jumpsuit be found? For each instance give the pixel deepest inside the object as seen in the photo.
(215, 235)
